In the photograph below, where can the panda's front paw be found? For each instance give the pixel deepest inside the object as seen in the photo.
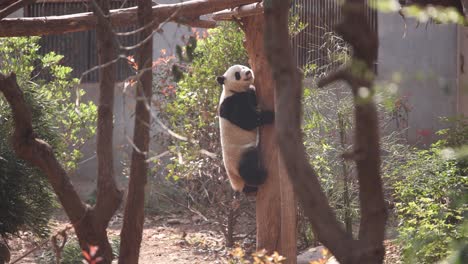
(267, 117)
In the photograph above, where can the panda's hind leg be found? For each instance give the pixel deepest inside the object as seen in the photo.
(251, 168)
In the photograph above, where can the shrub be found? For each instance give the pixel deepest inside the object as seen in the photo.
(431, 201)
(328, 133)
(26, 199)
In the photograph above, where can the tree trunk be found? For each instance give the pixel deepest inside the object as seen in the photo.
(268, 200)
(109, 196)
(275, 203)
(134, 216)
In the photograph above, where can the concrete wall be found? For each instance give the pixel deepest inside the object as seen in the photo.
(124, 107)
(426, 57)
(85, 176)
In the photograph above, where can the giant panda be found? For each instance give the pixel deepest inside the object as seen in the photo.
(239, 119)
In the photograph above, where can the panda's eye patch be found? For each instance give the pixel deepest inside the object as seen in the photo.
(237, 74)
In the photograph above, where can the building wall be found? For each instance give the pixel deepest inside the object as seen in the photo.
(426, 58)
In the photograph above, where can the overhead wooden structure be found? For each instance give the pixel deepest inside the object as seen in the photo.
(185, 13)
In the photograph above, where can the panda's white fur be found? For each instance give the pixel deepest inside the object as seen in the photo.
(239, 120)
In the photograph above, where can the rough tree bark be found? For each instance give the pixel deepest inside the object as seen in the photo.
(132, 229)
(275, 202)
(186, 12)
(355, 30)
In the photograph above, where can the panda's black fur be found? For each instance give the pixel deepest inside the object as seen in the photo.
(239, 120)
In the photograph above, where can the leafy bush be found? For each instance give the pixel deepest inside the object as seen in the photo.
(431, 201)
(26, 199)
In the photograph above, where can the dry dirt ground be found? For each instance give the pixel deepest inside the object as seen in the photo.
(166, 240)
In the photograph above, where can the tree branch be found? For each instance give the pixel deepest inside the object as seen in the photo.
(109, 196)
(14, 7)
(10, 27)
(196, 22)
(359, 74)
(39, 153)
(356, 30)
(132, 230)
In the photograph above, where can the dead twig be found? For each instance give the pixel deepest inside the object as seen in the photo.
(44, 242)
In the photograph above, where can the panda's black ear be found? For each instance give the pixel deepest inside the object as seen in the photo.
(220, 79)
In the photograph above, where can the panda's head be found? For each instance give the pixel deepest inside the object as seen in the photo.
(237, 78)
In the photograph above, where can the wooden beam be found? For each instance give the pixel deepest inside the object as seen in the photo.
(38, 26)
(239, 12)
(196, 22)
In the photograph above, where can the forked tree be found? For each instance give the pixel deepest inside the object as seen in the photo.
(355, 29)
